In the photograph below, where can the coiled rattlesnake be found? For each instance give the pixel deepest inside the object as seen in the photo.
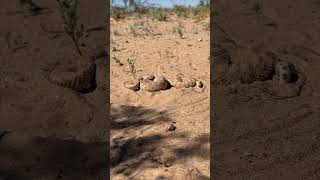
(277, 78)
(151, 83)
(78, 73)
(246, 68)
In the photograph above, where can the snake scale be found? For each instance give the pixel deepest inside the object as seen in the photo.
(78, 74)
(247, 67)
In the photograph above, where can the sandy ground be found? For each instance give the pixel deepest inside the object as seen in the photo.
(53, 132)
(268, 139)
(140, 146)
(253, 139)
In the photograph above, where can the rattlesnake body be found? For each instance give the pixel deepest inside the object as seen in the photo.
(79, 78)
(287, 82)
(249, 67)
(78, 74)
(152, 84)
(281, 78)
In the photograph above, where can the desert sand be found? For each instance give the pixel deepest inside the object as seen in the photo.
(43, 136)
(141, 147)
(256, 138)
(47, 131)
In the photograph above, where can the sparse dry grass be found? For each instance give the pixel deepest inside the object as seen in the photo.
(180, 29)
(162, 14)
(68, 9)
(131, 63)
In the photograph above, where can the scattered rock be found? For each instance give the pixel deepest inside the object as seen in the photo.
(199, 87)
(172, 127)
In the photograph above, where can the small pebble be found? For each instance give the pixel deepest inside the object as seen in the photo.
(199, 87)
(199, 84)
(172, 127)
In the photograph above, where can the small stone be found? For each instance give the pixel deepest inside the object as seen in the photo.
(199, 86)
(172, 127)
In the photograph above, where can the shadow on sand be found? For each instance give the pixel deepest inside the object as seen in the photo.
(132, 153)
(25, 157)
